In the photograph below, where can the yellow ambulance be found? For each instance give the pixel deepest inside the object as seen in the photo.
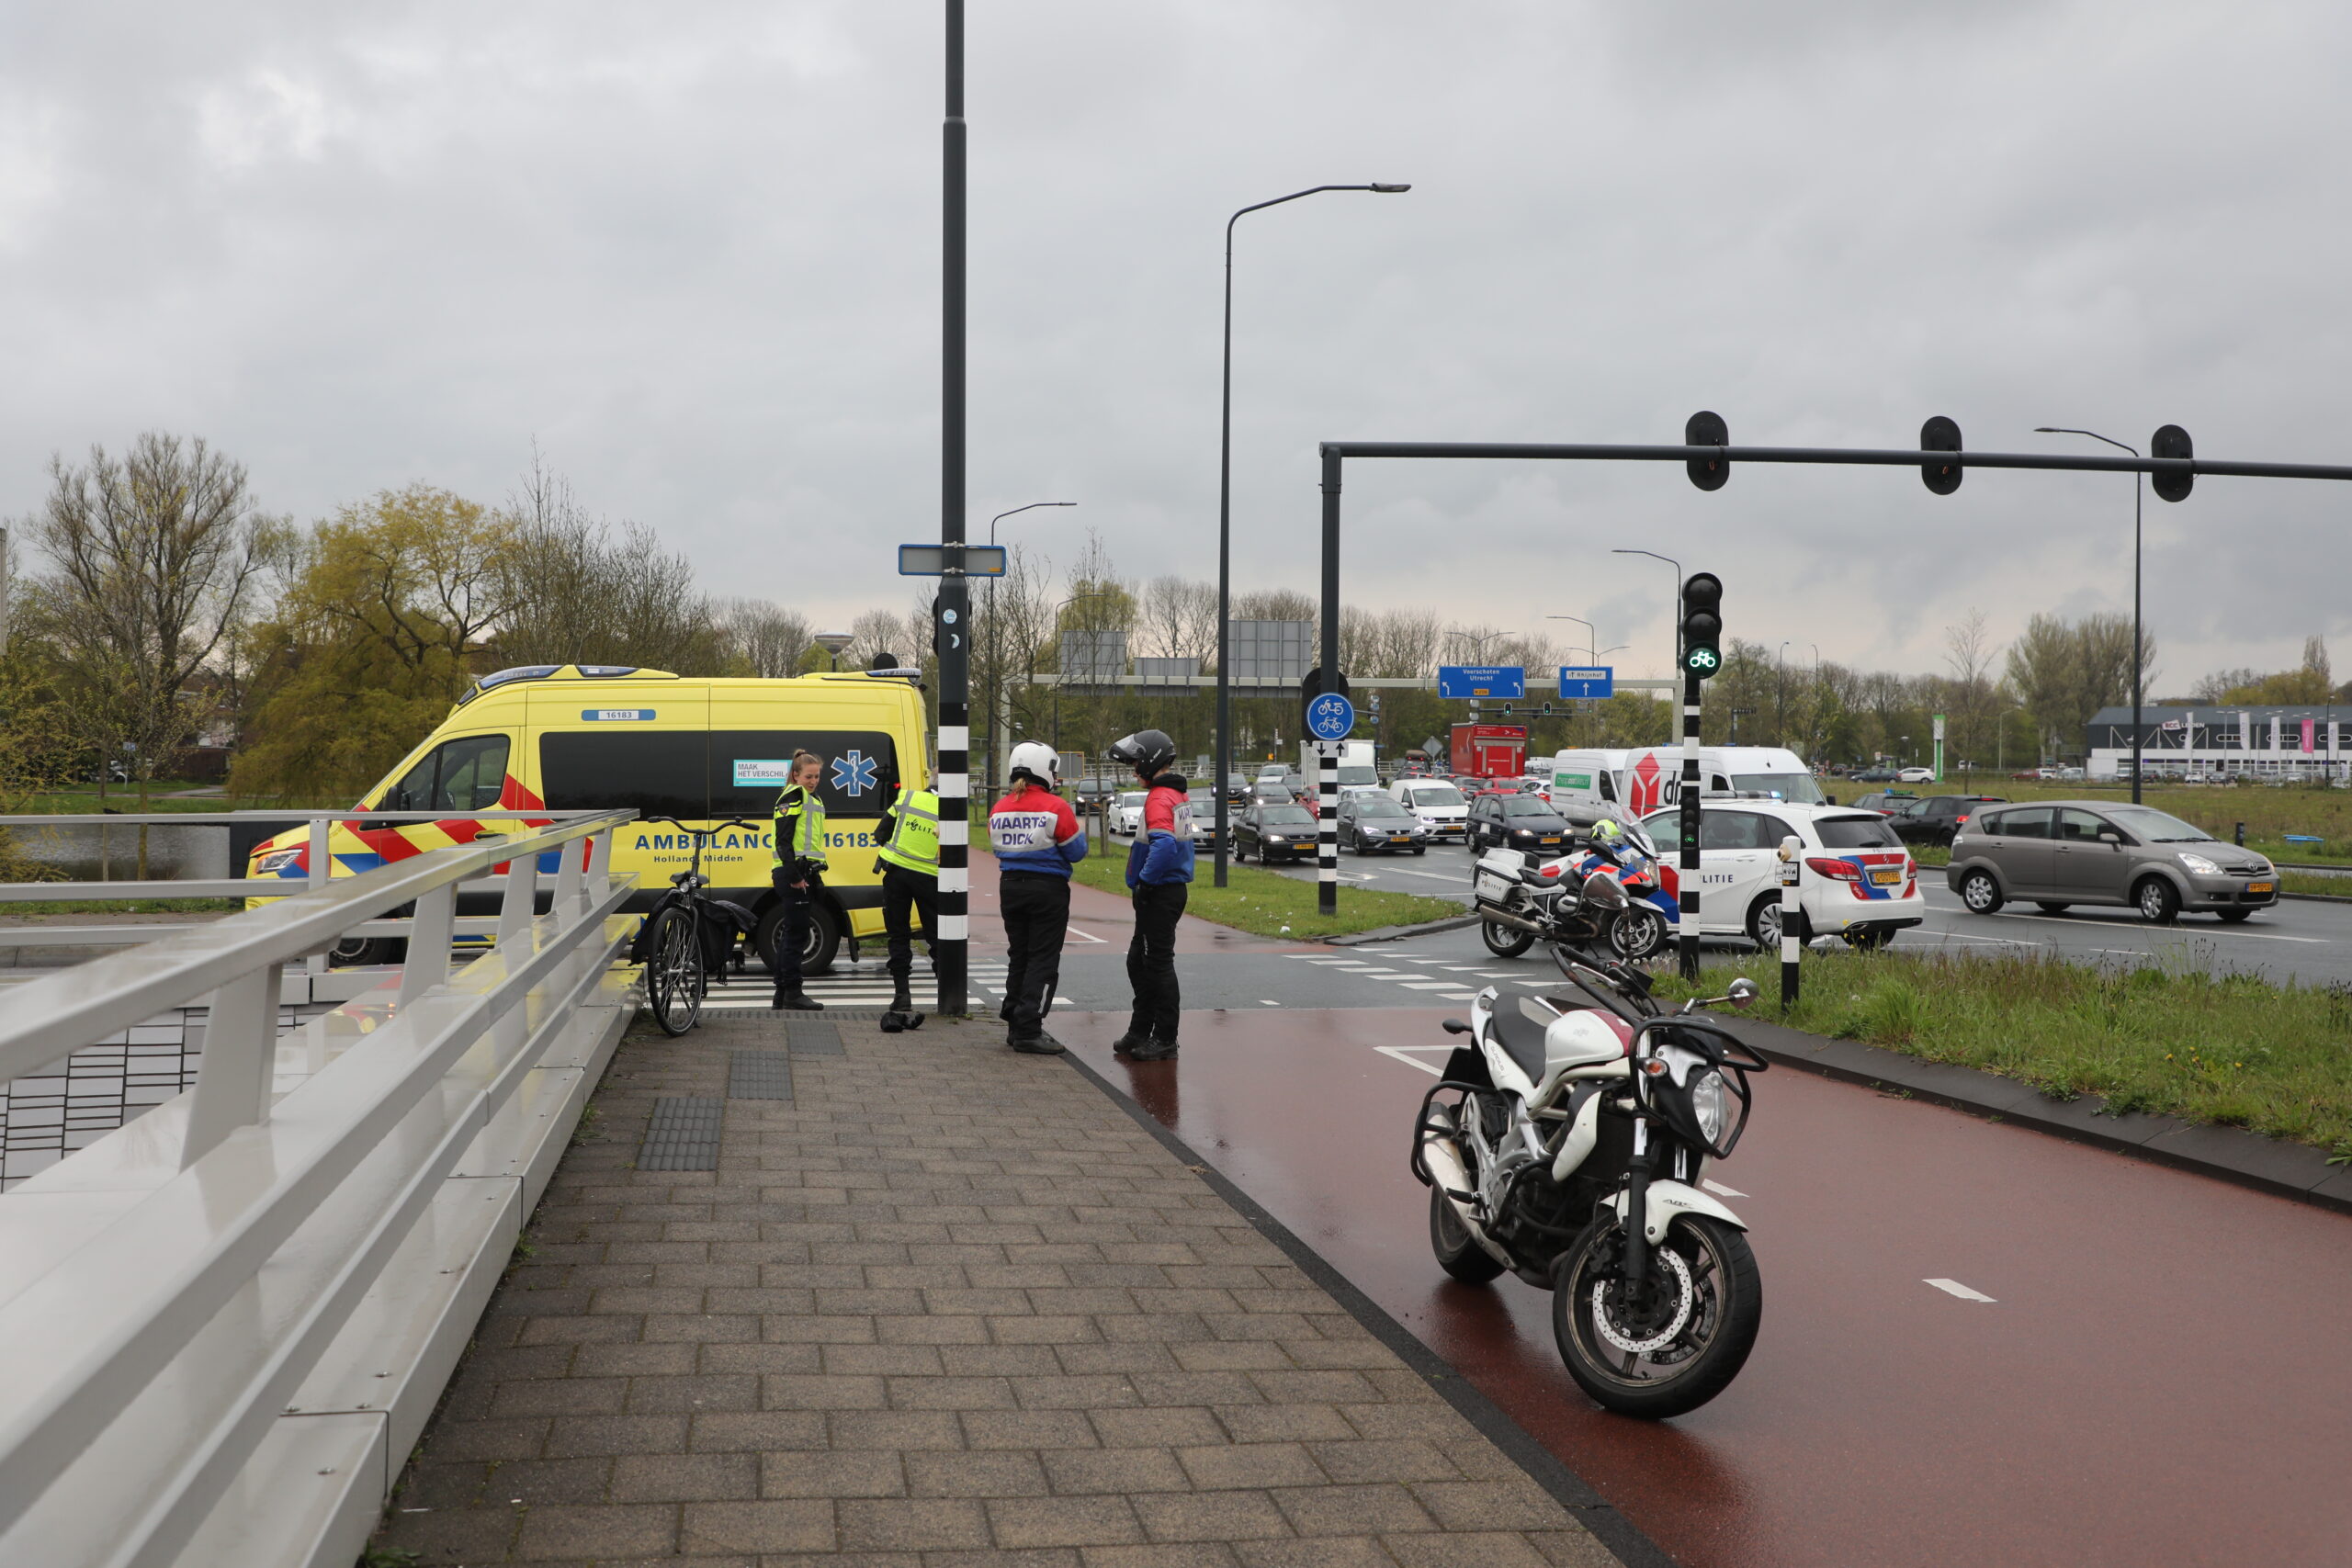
(595, 736)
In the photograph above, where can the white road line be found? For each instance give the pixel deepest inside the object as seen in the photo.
(1263, 1002)
(1088, 936)
(1398, 1051)
(1431, 985)
(1954, 1288)
(1719, 1189)
(1995, 940)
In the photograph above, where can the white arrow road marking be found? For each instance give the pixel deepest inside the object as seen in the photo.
(1954, 1288)
(1719, 1189)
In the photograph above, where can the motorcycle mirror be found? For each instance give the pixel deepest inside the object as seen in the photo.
(1743, 992)
(1455, 1026)
(1604, 891)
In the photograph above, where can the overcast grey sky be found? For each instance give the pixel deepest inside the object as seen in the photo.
(693, 251)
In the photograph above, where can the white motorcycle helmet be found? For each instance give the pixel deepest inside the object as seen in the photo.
(1036, 760)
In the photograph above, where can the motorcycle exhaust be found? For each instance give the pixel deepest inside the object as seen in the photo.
(1488, 912)
(1443, 1157)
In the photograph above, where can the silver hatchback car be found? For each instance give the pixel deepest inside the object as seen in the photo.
(2093, 851)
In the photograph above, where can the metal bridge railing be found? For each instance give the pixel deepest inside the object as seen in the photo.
(222, 1325)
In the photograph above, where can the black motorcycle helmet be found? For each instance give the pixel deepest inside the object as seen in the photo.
(1147, 752)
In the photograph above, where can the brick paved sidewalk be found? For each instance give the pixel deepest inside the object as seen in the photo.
(946, 1306)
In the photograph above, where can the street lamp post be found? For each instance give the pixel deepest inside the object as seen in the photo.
(1224, 520)
(1675, 610)
(1061, 677)
(996, 673)
(2137, 491)
(832, 643)
(1590, 657)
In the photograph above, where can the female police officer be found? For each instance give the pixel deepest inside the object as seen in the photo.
(798, 876)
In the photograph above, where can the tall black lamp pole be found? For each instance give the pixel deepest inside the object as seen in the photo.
(1224, 522)
(2137, 490)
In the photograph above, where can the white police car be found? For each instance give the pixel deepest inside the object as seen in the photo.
(1859, 881)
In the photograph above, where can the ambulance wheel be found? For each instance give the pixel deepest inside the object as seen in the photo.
(367, 951)
(824, 943)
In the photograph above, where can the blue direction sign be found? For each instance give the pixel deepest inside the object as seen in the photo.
(1331, 717)
(1600, 681)
(1481, 681)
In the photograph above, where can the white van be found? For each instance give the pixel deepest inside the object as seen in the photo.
(1439, 804)
(1625, 783)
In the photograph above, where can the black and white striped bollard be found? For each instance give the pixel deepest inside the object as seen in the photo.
(1792, 917)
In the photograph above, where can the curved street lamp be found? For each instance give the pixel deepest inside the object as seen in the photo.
(996, 675)
(1224, 515)
(2137, 490)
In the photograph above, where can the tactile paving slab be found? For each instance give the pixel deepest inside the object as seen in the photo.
(684, 1133)
(759, 1074)
(812, 1039)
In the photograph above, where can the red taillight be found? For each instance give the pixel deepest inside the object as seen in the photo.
(1843, 870)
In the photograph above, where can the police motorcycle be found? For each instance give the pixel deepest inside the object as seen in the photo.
(1520, 898)
(1571, 1149)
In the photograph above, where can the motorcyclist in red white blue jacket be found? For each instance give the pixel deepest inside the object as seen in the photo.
(1159, 874)
(1036, 838)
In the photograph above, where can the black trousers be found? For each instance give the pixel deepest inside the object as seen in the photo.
(908, 892)
(1035, 911)
(792, 936)
(1151, 960)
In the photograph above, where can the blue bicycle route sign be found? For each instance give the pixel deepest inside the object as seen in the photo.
(1331, 717)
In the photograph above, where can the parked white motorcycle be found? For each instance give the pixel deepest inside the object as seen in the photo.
(1570, 1151)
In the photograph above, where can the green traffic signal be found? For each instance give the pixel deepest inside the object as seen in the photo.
(1702, 624)
(1703, 662)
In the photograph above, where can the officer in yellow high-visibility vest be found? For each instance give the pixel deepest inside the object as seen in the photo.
(909, 834)
(798, 876)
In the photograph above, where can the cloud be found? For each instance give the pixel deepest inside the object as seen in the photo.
(694, 251)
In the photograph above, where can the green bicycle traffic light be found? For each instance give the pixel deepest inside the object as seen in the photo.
(1702, 624)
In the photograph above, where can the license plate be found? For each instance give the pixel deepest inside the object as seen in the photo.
(1549, 838)
(1885, 878)
(1400, 837)
(2258, 886)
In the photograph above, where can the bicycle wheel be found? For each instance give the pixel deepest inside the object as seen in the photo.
(673, 975)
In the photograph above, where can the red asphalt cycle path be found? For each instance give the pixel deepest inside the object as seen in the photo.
(2161, 1378)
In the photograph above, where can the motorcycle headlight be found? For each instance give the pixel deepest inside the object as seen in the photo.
(1711, 1106)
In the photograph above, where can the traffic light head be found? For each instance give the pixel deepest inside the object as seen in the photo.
(1702, 624)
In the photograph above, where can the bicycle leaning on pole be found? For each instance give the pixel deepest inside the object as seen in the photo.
(689, 936)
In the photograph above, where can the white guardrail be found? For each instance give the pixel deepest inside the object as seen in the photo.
(223, 1325)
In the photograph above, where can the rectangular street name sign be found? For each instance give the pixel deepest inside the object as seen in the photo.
(1464, 681)
(930, 560)
(1600, 681)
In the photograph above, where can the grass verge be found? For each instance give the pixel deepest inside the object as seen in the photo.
(2229, 1050)
(1266, 904)
(124, 907)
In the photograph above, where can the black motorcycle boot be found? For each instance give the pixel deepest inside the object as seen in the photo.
(1153, 1051)
(798, 1001)
(900, 1014)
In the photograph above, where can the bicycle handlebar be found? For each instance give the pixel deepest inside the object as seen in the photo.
(705, 832)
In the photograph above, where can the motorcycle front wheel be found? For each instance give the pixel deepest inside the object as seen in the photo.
(1504, 941)
(1680, 1346)
(1638, 934)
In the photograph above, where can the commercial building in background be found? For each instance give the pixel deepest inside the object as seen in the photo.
(2288, 742)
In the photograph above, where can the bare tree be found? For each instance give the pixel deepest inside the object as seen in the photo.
(153, 552)
(770, 639)
(1176, 618)
(578, 590)
(1968, 652)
